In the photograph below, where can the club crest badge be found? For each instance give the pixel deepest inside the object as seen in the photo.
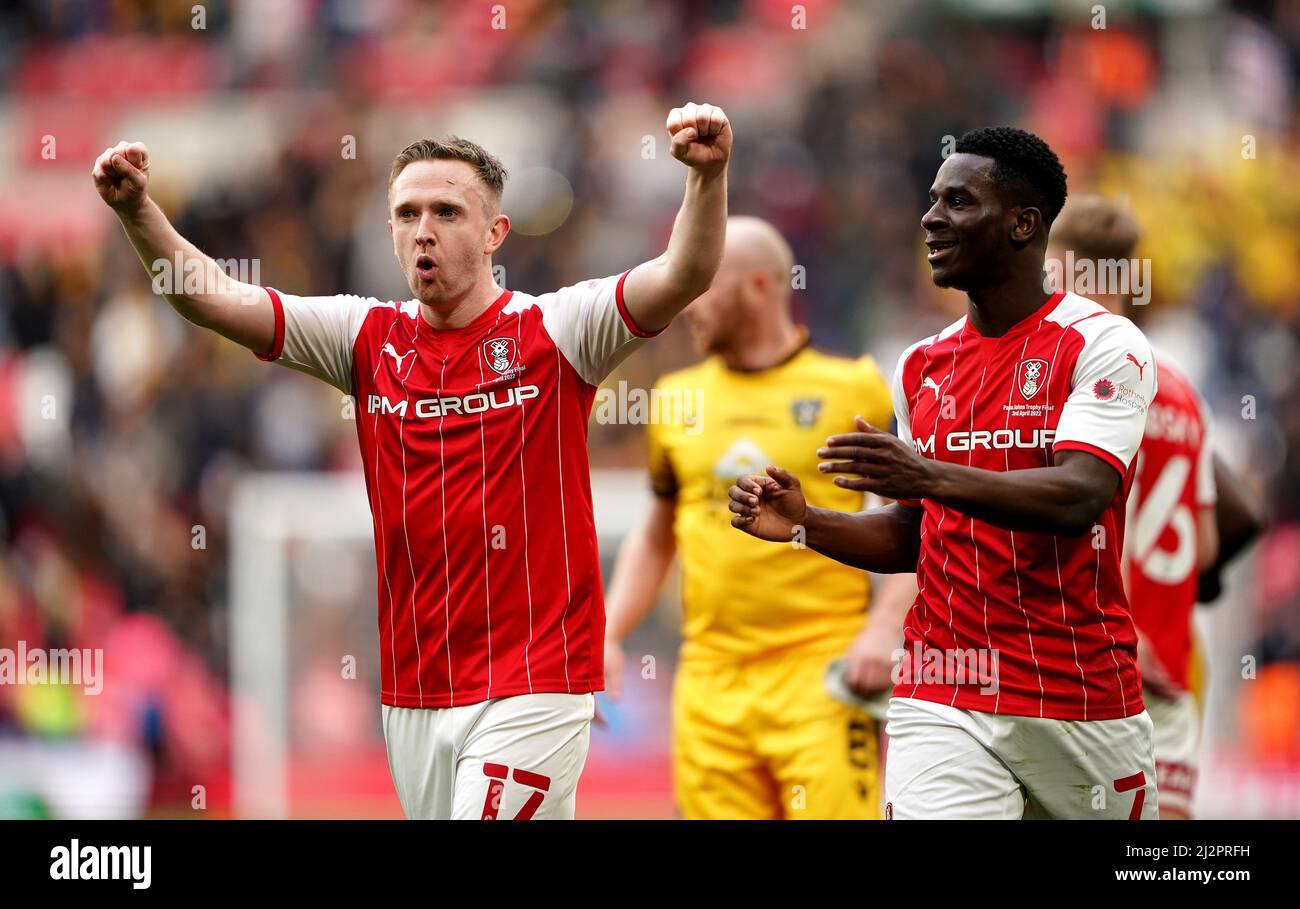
(500, 354)
(1032, 375)
(806, 411)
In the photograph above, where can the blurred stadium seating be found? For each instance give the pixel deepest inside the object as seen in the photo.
(125, 433)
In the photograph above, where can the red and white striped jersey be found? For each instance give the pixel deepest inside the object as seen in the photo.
(474, 444)
(1045, 612)
(1173, 480)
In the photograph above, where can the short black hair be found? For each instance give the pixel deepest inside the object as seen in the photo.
(1023, 165)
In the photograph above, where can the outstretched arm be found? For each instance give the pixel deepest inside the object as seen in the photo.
(885, 540)
(189, 280)
(1065, 498)
(658, 290)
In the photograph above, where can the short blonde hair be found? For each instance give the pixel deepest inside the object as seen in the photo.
(453, 148)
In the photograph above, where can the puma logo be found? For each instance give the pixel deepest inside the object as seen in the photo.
(389, 349)
(930, 383)
(1140, 366)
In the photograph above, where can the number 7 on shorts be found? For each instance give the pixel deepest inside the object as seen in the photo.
(497, 775)
(1137, 781)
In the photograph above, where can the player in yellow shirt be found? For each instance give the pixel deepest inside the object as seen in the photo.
(756, 734)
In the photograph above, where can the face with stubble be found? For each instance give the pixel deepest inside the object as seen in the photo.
(445, 228)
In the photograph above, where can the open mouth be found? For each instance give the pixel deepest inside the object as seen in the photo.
(425, 267)
(938, 248)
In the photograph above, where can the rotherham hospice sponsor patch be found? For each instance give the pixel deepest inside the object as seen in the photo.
(61, 666)
(75, 862)
(1106, 390)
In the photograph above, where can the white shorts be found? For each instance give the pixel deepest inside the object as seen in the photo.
(1177, 735)
(944, 762)
(508, 758)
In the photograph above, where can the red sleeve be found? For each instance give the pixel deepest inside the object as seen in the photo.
(627, 316)
(1071, 445)
(277, 342)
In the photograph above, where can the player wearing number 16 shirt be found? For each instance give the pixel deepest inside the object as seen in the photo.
(1018, 691)
(472, 408)
(1173, 535)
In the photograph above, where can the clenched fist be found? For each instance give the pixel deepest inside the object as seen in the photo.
(121, 176)
(701, 135)
(768, 507)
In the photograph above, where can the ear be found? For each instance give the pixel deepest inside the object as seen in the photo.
(753, 288)
(1027, 226)
(497, 232)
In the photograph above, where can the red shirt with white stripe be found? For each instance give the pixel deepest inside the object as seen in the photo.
(1172, 483)
(474, 445)
(1046, 613)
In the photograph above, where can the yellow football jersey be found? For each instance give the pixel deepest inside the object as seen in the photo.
(744, 597)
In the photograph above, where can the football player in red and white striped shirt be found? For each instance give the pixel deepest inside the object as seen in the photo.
(472, 405)
(1018, 690)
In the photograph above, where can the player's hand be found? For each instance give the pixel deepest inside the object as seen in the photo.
(768, 507)
(701, 136)
(614, 660)
(871, 662)
(877, 461)
(121, 176)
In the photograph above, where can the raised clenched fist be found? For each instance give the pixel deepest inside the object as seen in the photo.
(701, 135)
(121, 175)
